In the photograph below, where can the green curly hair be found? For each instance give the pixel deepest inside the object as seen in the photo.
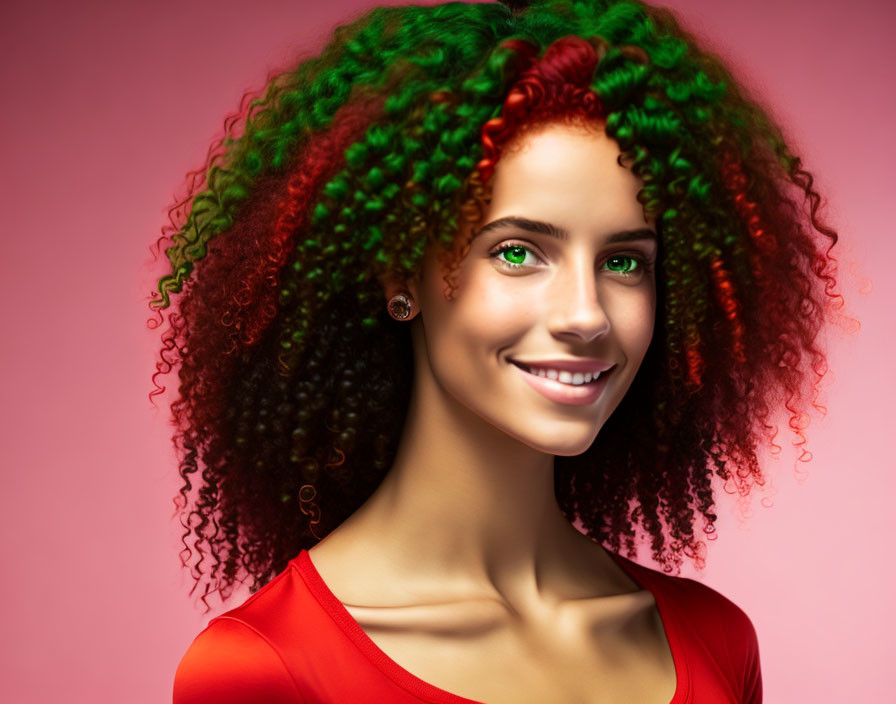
(347, 167)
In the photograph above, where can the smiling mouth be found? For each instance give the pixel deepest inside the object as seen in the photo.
(574, 391)
(573, 379)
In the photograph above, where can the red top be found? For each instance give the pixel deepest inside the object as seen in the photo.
(294, 642)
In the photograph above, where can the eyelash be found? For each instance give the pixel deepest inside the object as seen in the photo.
(645, 265)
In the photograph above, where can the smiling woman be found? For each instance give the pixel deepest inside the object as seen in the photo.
(561, 297)
(474, 274)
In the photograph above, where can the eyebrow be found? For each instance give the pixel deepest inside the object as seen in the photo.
(547, 228)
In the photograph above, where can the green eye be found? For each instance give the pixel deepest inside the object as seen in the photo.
(629, 264)
(515, 255)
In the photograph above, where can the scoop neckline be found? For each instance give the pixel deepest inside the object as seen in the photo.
(423, 689)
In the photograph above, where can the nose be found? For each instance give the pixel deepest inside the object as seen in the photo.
(577, 312)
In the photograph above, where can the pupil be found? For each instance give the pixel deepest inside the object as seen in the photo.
(517, 254)
(624, 259)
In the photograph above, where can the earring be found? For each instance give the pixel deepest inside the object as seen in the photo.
(400, 307)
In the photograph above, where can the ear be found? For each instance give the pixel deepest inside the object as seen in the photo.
(393, 284)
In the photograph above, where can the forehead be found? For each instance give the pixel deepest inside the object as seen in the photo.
(568, 173)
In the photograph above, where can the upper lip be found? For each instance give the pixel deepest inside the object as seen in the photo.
(582, 365)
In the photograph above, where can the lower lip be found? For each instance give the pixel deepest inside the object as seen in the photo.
(566, 393)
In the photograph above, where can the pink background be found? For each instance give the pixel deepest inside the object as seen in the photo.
(108, 104)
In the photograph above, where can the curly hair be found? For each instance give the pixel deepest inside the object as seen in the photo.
(294, 381)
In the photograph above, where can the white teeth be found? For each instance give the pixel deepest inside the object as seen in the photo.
(565, 377)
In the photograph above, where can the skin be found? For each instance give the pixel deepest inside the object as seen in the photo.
(462, 553)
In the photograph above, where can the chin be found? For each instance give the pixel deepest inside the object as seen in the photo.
(567, 442)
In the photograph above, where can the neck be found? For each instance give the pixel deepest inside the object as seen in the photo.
(465, 508)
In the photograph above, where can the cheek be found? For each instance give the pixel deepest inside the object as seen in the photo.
(636, 323)
(489, 310)
(465, 336)
(631, 310)
(498, 308)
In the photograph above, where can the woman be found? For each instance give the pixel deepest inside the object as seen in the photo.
(476, 273)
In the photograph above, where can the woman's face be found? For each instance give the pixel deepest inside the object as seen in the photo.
(584, 295)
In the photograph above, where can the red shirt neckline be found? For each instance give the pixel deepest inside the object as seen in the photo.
(352, 629)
